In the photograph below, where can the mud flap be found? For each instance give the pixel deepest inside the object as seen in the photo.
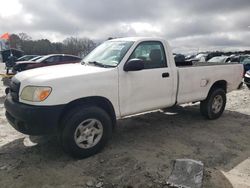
(186, 173)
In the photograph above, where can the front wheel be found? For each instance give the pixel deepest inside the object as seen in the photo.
(85, 131)
(213, 106)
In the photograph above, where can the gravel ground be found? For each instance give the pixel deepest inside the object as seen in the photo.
(140, 153)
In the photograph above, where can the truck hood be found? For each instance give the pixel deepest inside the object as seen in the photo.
(57, 72)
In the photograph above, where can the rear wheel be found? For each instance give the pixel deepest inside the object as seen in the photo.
(214, 105)
(85, 131)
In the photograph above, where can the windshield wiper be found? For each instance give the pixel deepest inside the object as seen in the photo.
(100, 64)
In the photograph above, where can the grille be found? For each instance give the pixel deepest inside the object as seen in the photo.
(14, 89)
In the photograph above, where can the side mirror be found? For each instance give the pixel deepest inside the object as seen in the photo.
(133, 65)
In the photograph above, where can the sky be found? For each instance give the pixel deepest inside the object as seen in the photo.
(186, 24)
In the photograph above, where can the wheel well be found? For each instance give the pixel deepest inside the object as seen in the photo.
(101, 102)
(220, 84)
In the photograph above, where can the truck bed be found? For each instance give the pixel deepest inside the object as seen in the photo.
(195, 81)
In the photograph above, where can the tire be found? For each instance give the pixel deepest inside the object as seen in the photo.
(240, 85)
(248, 85)
(214, 105)
(84, 125)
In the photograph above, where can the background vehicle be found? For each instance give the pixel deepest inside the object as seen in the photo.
(48, 60)
(81, 102)
(219, 59)
(201, 57)
(247, 79)
(242, 59)
(26, 57)
(36, 58)
(246, 63)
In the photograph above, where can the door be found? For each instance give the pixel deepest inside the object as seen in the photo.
(150, 88)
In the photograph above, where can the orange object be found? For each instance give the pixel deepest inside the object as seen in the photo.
(5, 36)
(44, 94)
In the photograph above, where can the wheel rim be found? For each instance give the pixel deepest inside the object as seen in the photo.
(88, 133)
(217, 104)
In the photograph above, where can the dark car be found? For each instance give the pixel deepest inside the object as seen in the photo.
(247, 79)
(48, 60)
(26, 58)
(36, 58)
(246, 63)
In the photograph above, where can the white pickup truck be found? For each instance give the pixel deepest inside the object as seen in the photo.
(121, 77)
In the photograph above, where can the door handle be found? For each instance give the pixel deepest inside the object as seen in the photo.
(165, 75)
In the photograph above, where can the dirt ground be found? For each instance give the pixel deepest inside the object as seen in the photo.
(140, 153)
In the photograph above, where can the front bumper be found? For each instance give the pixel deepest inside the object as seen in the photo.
(32, 120)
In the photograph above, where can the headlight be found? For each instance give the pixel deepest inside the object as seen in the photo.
(35, 93)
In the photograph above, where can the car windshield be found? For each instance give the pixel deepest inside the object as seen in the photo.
(246, 61)
(26, 58)
(217, 59)
(23, 58)
(42, 58)
(108, 54)
(36, 58)
(200, 56)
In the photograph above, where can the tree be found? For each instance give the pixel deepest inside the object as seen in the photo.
(15, 41)
(78, 46)
(71, 45)
(24, 36)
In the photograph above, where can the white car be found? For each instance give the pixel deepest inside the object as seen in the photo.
(219, 59)
(81, 102)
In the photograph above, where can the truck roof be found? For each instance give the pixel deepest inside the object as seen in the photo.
(136, 38)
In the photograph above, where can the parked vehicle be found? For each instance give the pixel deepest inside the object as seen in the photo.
(246, 63)
(48, 60)
(214, 54)
(219, 59)
(81, 102)
(247, 79)
(180, 60)
(201, 57)
(26, 57)
(36, 58)
(242, 59)
(190, 56)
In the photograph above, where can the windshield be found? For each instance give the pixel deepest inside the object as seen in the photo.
(36, 58)
(246, 61)
(217, 59)
(42, 58)
(23, 58)
(109, 53)
(200, 56)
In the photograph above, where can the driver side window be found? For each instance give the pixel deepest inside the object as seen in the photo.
(151, 53)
